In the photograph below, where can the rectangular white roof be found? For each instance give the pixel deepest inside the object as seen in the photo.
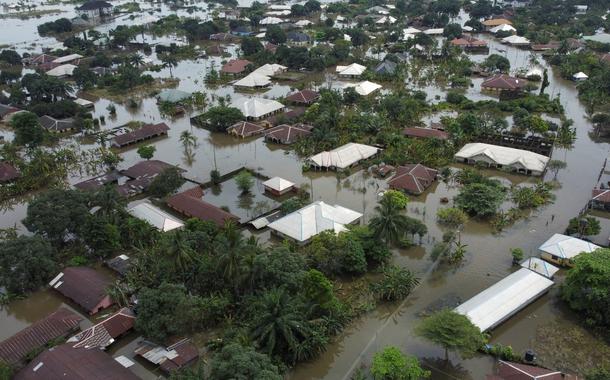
(500, 301)
(67, 58)
(62, 70)
(253, 80)
(344, 156)
(504, 156)
(566, 247)
(353, 69)
(310, 220)
(257, 107)
(278, 183)
(270, 69)
(364, 88)
(155, 217)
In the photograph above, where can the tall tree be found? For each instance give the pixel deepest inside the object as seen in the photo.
(389, 224)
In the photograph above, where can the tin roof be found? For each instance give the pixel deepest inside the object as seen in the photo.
(85, 286)
(145, 132)
(104, 333)
(190, 203)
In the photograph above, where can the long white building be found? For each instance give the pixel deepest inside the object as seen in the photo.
(518, 160)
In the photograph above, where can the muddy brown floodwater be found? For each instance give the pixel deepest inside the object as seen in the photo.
(488, 259)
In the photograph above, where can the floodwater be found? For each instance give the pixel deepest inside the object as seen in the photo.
(488, 259)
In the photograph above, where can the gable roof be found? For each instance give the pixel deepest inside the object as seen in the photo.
(148, 168)
(190, 203)
(65, 362)
(414, 178)
(517, 371)
(312, 219)
(504, 82)
(102, 335)
(258, 107)
(303, 96)
(7, 110)
(57, 125)
(343, 156)
(278, 184)
(601, 195)
(169, 358)
(297, 37)
(245, 129)
(57, 324)
(504, 155)
(288, 134)
(85, 286)
(93, 5)
(235, 66)
(145, 132)
(155, 217)
(566, 247)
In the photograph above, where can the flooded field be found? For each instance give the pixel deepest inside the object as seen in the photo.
(487, 261)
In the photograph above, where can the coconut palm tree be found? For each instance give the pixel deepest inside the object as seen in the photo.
(169, 61)
(279, 327)
(389, 224)
(188, 140)
(136, 59)
(178, 250)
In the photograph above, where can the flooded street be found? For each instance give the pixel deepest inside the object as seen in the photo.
(488, 259)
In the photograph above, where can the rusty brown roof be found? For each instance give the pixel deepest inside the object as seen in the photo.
(425, 133)
(245, 129)
(103, 334)
(303, 97)
(148, 168)
(504, 82)
(83, 285)
(191, 204)
(145, 132)
(288, 134)
(8, 172)
(57, 324)
(414, 178)
(65, 362)
(235, 66)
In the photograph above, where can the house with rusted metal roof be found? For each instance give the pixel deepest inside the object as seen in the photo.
(191, 204)
(413, 178)
(503, 82)
(518, 371)
(245, 129)
(52, 124)
(8, 172)
(170, 358)
(600, 199)
(287, 134)
(85, 286)
(100, 181)
(469, 43)
(55, 325)
(306, 97)
(7, 112)
(66, 362)
(103, 334)
(235, 66)
(146, 132)
(141, 175)
(424, 133)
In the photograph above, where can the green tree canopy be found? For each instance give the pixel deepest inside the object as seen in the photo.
(219, 118)
(393, 364)
(239, 362)
(147, 151)
(166, 183)
(245, 181)
(27, 129)
(480, 199)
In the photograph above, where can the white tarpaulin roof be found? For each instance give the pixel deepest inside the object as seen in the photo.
(540, 266)
(253, 80)
(257, 107)
(504, 156)
(500, 301)
(155, 217)
(344, 156)
(353, 69)
(309, 221)
(270, 69)
(67, 58)
(62, 71)
(364, 88)
(580, 75)
(278, 183)
(566, 247)
(516, 40)
(503, 28)
(271, 21)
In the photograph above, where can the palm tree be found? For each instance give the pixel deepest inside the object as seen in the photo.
(169, 61)
(119, 292)
(389, 224)
(109, 202)
(136, 59)
(188, 140)
(178, 250)
(280, 326)
(230, 249)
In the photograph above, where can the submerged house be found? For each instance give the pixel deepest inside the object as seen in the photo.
(287, 134)
(235, 66)
(155, 217)
(146, 132)
(303, 97)
(191, 204)
(57, 125)
(58, 324)
(352, 71)
(518, 371)
(307, 222)
(259, 108)
(562, 249)
(278, 186)
(103, 334)
(170, 358)
(141, 175)
(501, 157)
(342, 157)
(245, 129)
(85, 286)
(413, 178)
(503, 82)
(94, 9)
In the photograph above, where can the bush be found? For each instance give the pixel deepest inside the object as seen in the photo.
(244, 181)
(166, 183)
(392, 364)
(396, 284)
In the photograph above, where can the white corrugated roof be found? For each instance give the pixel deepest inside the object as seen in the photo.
(566, 247)
(270, 69)
(540, 266)
(503, 28)
(271, 21)
(353, 69)
(411, 30)
(505, 156)
(580, 75)
(310, 220)
(155, 216)
(253, 80)
(257, 107)
(278, 183)
(67, 58)
(62, 71)
(500, 301)
(516, 40)
(364, 88)
(344, 156)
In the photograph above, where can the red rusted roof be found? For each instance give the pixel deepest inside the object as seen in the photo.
(147, 131)
(103, 334)
(57, 324)
(425, 132)
(245, 129)
(303, 97)
(8, 172)
(468, 42)
(504, 82)
(148, 168)
(191, 204)
(414, 178)
(270, 47)
(288, 134)
(187, 353)
(235, 66)
(518, 371)
(65, 362)
(601, 195)
(83, 285)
